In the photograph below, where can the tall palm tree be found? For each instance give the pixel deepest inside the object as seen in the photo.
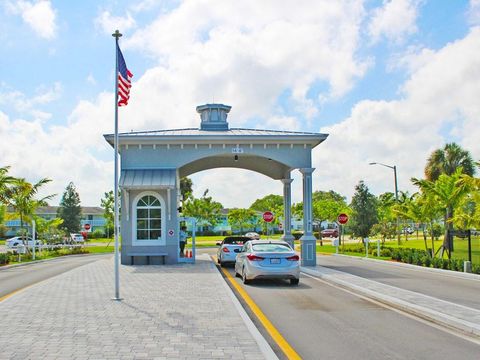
(5, 180)
(449, 194)
(22, 198)
(447, 160)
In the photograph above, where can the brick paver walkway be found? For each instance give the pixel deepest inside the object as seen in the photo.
(168, 312)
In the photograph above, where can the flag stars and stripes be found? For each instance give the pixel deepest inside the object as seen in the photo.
(124, 80)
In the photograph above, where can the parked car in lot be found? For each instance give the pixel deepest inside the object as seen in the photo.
(12, 243)
(330, 232)
(253, 235)
(272, 259)
(77, 238)
(407, 230)
(226, 252)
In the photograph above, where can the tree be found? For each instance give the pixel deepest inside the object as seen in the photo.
(48, 230)
(327, 205)
(447, 160)
(22, 198)
(386, 225)
(204, 209)
(267, 203)
(241, 218)
(5, 180)
(108, 204)
(364, 211)
(449, 193)
(70, 210)
(186, 187)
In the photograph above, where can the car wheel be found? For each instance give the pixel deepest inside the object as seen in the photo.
(244, 277)
(294, 281)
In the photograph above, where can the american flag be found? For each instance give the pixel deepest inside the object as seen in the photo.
(124, 80)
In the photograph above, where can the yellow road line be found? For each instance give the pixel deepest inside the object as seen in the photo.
(276, 336)
(13, 293)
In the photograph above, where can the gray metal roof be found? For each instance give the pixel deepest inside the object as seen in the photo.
(147, 179)
(230, 132)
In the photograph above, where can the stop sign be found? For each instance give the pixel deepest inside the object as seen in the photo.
(86, 226)
(268, 216)
(342, 218)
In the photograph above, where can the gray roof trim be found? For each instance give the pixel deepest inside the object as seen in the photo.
(194, 135)
(143, 179)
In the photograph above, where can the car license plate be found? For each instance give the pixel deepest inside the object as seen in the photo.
(274, 261)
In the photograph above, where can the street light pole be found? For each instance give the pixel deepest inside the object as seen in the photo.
(394, 168)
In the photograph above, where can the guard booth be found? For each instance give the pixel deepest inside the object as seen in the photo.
(152, 163)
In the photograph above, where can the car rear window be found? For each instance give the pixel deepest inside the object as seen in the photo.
(269, 247)
(236, 240)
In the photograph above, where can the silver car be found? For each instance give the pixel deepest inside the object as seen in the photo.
(267, 259)
(227, 252)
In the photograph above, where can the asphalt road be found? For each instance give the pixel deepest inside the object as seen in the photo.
(16, 278)
(439, 285)
(321, 321)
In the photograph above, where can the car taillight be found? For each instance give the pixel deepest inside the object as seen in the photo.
(225, 249)
(293, 258)
(255, 257)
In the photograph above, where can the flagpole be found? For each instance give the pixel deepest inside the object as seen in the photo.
(116, 35)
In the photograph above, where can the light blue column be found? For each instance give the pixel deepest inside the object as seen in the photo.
(308, 242)
(287, 212)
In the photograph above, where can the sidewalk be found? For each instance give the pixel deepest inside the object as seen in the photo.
(168, 312)
(457, 317)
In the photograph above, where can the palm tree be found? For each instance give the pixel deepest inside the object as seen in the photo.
(21, 197)
(447, 160)
(448, 193)
(5, 180)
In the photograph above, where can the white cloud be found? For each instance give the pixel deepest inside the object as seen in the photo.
(473, 12)
(246, 56)
(394, 20)
(439, 104)
(91, 79)
(72, 152)
(25, 104)
(39, 15)
(109, 23)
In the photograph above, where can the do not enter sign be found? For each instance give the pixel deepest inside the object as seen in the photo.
(342, 218)
(86, 227)
(268, 216)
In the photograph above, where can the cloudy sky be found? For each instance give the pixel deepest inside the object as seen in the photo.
(390, 81)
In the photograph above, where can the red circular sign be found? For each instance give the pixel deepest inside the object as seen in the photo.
(342, 218)
(268, 216)
(86, 226)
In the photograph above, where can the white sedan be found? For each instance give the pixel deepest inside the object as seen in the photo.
(12, 243)
(267, 259)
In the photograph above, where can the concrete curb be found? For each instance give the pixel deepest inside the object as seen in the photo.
(262, 343)
(457, 274)
(467, 327)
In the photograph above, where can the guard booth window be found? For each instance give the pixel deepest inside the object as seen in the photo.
(149, 218)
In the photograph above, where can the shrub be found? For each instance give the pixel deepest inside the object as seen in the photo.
(427, 260)
(437, 263)
(97, 234)
(387, 252)
(4, 258)
(297, 234)
(476, 269)
(445, 264)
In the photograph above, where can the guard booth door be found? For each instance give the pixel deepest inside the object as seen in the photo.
(189, 252)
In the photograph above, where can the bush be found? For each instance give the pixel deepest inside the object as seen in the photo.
(97, 234)
(4, 258)
(437, 263)
(445, 264)
(297, 234)
(427, 260)
(387, 252)
(476, 269)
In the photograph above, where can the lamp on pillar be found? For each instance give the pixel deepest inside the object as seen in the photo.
(394, 168)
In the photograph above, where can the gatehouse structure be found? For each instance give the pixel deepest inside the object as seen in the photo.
(152, 163)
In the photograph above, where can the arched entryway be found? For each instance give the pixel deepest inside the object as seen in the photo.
(154, 161)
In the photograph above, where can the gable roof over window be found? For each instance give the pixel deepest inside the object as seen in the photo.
(147, 179)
